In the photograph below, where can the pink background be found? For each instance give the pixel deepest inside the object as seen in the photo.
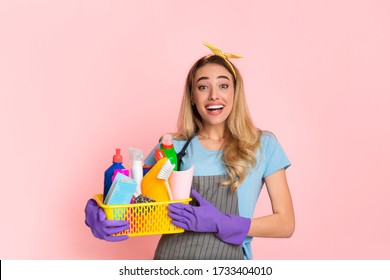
(80, 78)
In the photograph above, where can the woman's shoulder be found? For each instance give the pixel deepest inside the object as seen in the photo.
(270, 143)
(267, 135)
(267, 139)
(178, 144)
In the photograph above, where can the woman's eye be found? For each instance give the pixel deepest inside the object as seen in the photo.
(224, 86)
(202, 87)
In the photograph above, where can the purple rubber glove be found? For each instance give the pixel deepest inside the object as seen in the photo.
(206, 218)
(102, 228)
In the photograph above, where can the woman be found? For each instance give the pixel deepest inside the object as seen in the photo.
(232, 159)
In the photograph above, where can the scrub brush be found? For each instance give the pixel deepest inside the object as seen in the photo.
(164, 174)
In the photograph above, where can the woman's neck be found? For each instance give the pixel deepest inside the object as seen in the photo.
(213, 133)
(211, 138)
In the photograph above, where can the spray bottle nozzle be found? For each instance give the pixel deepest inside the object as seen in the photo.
(136, 154)
(158, 154)
(117, 157)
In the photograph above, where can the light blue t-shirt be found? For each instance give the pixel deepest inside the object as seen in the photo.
(270, 158)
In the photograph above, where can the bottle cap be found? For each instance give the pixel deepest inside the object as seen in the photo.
(117, 157)
(158, 154)
(167, 141)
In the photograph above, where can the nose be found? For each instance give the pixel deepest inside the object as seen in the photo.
(213, 95)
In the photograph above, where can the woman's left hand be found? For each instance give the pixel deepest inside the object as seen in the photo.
(206, 218)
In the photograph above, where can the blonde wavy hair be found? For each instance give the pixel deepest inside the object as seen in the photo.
(241, 137)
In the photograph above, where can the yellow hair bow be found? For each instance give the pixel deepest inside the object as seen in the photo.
(225, 56)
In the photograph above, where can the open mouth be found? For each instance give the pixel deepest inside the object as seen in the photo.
(213, 108)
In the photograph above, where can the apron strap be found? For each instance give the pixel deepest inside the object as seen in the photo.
(182, 153)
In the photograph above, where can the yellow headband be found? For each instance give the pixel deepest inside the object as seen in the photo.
(225, 56)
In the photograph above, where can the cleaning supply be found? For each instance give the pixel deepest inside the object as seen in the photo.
(121, 190)
(116, 164)
(164, 174)
(159, 154)
(123, 171)
(142, 199)
(168, 149)
(146, 169)
(136, 157)
(180, 183)
(151, 185)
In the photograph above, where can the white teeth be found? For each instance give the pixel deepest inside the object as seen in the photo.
(214, 107)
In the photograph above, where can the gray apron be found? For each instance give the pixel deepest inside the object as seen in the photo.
(203, 245)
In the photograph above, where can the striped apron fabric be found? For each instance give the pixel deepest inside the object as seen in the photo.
(198, 245)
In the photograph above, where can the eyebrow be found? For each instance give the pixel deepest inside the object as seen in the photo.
(219, 77)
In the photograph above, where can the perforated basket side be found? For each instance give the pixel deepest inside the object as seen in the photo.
(144, 218)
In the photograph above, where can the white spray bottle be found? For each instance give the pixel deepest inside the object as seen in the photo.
(136, 157)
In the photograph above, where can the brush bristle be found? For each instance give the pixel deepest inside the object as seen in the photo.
(165, 170)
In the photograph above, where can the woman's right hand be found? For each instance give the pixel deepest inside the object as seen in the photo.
(102, 228)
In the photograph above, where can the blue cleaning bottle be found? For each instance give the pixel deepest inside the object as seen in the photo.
(116, 164)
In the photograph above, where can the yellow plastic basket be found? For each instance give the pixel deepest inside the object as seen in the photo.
(145, 218)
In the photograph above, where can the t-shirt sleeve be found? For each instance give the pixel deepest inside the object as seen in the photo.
(275, 156)
(150, 160)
